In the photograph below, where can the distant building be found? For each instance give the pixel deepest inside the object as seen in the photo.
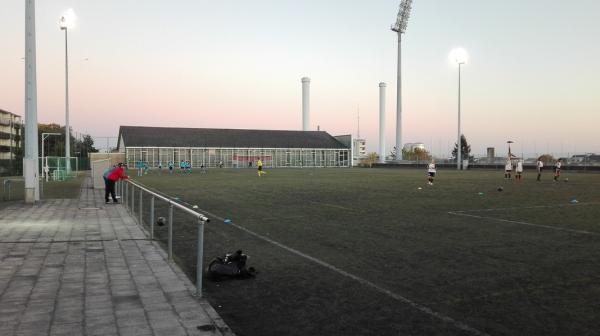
(231, 148)
(410, 147)
(359, 150)
(10, 134)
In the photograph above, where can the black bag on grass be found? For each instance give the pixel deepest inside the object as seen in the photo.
(231, 265)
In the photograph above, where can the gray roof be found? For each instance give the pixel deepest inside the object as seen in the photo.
(139, 136)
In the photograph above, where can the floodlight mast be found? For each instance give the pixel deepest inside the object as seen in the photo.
(400, 28)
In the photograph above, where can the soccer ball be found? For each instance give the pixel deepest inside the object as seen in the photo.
(567, 179)
(500, 189)
(160, 221)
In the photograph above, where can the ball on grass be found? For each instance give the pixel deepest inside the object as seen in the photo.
(567, 179)
(195, 207)
(500, 189)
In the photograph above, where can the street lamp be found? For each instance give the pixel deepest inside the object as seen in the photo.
(459, 56)
(67, 21)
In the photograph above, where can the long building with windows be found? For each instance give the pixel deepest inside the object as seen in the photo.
(231, 148)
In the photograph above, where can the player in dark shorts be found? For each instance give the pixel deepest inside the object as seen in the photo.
(557, 168)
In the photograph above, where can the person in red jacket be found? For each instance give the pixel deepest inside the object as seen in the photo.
(117, 174)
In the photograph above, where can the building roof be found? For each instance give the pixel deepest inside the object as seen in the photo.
(139, 136)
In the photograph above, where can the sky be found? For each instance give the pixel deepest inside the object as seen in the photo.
(532, 76)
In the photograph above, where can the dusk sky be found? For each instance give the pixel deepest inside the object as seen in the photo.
(533, 76)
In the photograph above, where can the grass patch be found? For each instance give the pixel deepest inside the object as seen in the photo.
(377, 224)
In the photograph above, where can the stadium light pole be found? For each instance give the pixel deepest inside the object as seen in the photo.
(67, 21)
(460, 57)
(400, 28)
(30, 162)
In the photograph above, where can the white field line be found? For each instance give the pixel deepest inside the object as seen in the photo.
(524, 223)
(447, 319)
(458, 324)
(527, 207)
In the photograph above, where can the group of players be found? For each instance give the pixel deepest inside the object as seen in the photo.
(185, 167)
(508, 168)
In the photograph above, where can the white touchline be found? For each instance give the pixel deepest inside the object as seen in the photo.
(525, 223)
(527, 207)
(458, 324)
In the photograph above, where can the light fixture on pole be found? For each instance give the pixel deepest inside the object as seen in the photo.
(67, 21)
(510, 155)
(400, 28)
(460, 57)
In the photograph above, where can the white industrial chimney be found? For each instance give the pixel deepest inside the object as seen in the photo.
(382, 122)
(305, 104)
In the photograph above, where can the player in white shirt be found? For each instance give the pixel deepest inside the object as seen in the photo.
(508, 169)
(557, 167)
(540, 167)
(519, 170)
(431, 172)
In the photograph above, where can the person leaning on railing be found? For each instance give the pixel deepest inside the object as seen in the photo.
(116, 174)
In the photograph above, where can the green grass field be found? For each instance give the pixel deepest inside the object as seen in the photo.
(51, 190)
(440, 260)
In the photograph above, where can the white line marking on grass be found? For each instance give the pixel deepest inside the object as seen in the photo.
(458, 324)
(525, 223)
(332, 206)
(527, 207)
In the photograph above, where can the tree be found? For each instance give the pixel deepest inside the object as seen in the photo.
(547, 159)
(371, 159)
(416, 154)
(55, 145)
(465, 149)
(86, 145)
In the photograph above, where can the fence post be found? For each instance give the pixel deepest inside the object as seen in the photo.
(126, 195)
(152, 218)
(199, 257)
(133, 200)
(141, 207)
(170, 240)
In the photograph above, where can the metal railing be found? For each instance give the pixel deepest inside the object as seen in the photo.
(127, 189)
(6, 187)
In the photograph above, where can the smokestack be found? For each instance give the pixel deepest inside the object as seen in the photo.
(305, 104)
(382, 122)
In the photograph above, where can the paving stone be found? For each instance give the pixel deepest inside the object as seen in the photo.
(57, 278)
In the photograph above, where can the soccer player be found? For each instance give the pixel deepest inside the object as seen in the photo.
(519, 170)
(508, 169)
(431, 172)
(159, 168)
(540, 167)
(171, 167)
(557, 167)
(259, 164)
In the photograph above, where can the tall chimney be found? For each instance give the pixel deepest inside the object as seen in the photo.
(382, 122)
(305, 104)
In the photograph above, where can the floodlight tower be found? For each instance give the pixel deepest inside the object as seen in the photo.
(67, 21)
(400, 28)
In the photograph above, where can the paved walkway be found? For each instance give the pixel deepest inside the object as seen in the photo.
(78, 267)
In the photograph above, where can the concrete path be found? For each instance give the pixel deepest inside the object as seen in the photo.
(80, 267)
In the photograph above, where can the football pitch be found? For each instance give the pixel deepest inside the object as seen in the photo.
(379, 252)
